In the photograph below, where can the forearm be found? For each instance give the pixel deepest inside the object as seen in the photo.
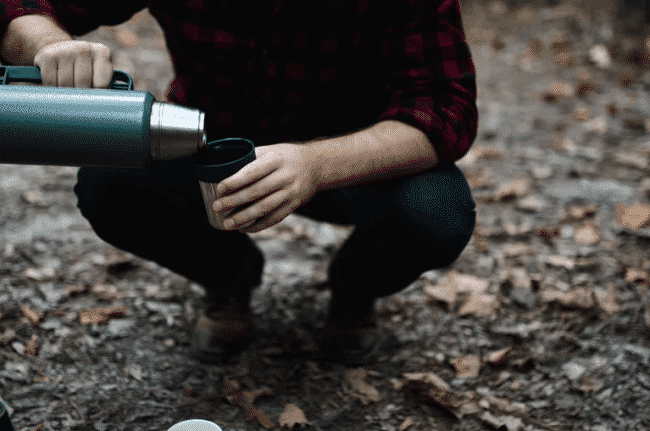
(386, 150)
(26, 35)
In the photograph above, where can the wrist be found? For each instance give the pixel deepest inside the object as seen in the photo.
(27, 35)
(313, 152)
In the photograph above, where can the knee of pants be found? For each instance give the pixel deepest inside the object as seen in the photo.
(438, 211)
(91, 194)
(101, 201)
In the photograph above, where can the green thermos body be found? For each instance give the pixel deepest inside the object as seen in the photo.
(115, 127)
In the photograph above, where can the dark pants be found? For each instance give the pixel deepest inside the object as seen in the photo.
(403, 227)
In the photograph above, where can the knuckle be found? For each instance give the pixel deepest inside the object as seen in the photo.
(100, 50)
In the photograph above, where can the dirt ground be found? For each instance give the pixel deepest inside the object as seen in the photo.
(542, 324)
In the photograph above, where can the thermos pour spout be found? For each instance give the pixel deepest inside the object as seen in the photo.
(175, 131)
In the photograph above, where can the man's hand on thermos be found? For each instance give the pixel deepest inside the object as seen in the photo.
(75, 63)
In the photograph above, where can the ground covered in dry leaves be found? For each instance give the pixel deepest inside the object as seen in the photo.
(542, 324)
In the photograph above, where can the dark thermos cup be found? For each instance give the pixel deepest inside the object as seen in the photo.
(115, 127)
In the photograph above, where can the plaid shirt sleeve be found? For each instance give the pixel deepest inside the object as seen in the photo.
(432, 82)
(77, 18)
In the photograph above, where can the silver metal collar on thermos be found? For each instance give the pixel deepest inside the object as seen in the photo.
(176, 131)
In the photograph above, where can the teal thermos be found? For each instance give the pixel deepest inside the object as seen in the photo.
(115, 127)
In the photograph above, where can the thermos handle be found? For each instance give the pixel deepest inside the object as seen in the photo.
(33, 74)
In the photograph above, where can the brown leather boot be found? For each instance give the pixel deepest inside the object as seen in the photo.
(223, 330)
(353, 338)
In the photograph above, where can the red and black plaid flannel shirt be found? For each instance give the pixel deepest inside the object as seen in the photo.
(294, 70)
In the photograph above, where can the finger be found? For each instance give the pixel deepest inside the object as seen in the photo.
(48, 71)
(65, 73)
(269, 220)
(102, 66)
(252, 193)
(250, 173)
(258, 210)
(83, 71)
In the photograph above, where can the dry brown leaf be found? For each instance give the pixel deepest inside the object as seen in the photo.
(509, 423)
(581, 114)
(231, 386)
(479, 304)
(598, 125)
(632, 159)
(579, 212)
(626, 79)
(442, 292)
(245, 399)
(558, 91)
(477, 35)
(429, 379)
(585, 85)
(469, 283)
(397, 383)
(408, 422)
(467, 366)
(106, 291)
(434, 390)
(497, 43)
(100, 314)
(355, 384)
(34, 197)
(588, 384)
(549, 231)
(483, 179)
(39, 274)
(635, 275)
(531, 204)
(480, 242)
(260, 416)
(565, 59)
(32, 347)
(587, 234)
(251, 396)
(488, 152)
(633, 217)
(292, 415)
(33, 316)
(580, 297)
(607, 300)
(561, 261)
(449, 289)
(518, 249)
(518, 277)
(75, 289)
(562, 89)
(564, 145)
(506, 406)
(512, 189)
(561, 44)
(498, 357)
